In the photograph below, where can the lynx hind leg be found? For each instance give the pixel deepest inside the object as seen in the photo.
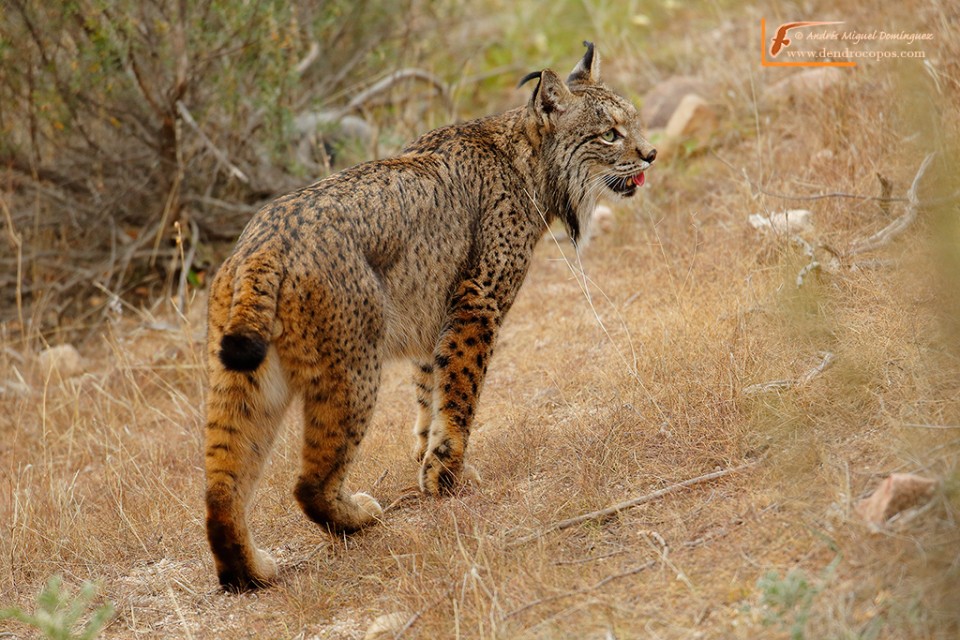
(423, 381)
(244, 411)
(337, 411)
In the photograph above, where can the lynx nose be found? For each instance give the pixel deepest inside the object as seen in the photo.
(650, 157)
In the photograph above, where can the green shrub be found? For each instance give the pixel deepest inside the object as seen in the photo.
(119, 117)
(59, 613)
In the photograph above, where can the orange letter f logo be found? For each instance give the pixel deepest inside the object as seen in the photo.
(780, 40)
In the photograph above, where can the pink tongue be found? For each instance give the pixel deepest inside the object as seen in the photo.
(638, 179)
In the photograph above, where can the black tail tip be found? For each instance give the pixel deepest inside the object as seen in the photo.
(242, 353)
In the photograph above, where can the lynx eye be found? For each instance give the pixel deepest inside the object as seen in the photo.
(611, 135)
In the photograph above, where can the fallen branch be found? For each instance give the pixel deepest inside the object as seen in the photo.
(898, 226)
(809, 252)
(788, 196)
(827, 360)
(308, 60)
(824, 196)
(886, 190)
(783, 385)
(634, 502)
(358, 101)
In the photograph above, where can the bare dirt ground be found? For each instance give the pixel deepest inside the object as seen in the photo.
(652, 369)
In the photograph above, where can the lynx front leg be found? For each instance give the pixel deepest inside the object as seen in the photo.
(460, 365)
(423, 380)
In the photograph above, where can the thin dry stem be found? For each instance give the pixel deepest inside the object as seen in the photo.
(17, 240)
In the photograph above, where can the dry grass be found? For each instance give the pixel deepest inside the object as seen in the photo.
(102, 473)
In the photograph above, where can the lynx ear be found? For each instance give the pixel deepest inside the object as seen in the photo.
(551, 95)
(587, 70)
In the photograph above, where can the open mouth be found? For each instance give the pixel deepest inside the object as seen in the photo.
(625, 187)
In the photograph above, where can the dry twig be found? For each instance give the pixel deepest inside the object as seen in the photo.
(633, 502)
(308, 59)
(827, 360)
(898, 226)
(416, 616)
(782, 385)
(824, 196)
(808, 251)
(886, 190)
(358, 101)
(187, 117)
(789, 196)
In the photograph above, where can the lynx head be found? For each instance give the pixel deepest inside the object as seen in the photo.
(590, 140)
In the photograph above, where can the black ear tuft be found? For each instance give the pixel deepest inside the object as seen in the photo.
(530, 76)
(587, 70)
(588, 56)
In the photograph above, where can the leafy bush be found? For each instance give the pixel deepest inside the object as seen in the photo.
(120, 117)
(787, 601)
(58, 613)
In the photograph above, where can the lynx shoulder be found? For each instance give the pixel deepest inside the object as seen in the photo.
(417, 257)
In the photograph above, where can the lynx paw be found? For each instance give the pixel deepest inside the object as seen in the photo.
(470, 475)
(239, 576)
(438, 477)
(265, 567)
(368, 507)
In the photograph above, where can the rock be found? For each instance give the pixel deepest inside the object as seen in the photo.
(784, 222)
(678, 115)
(63, 359)
(694, 119)
(806, 82)
(660, 102)
(824, 155)
(898, 492)
(387, 626)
